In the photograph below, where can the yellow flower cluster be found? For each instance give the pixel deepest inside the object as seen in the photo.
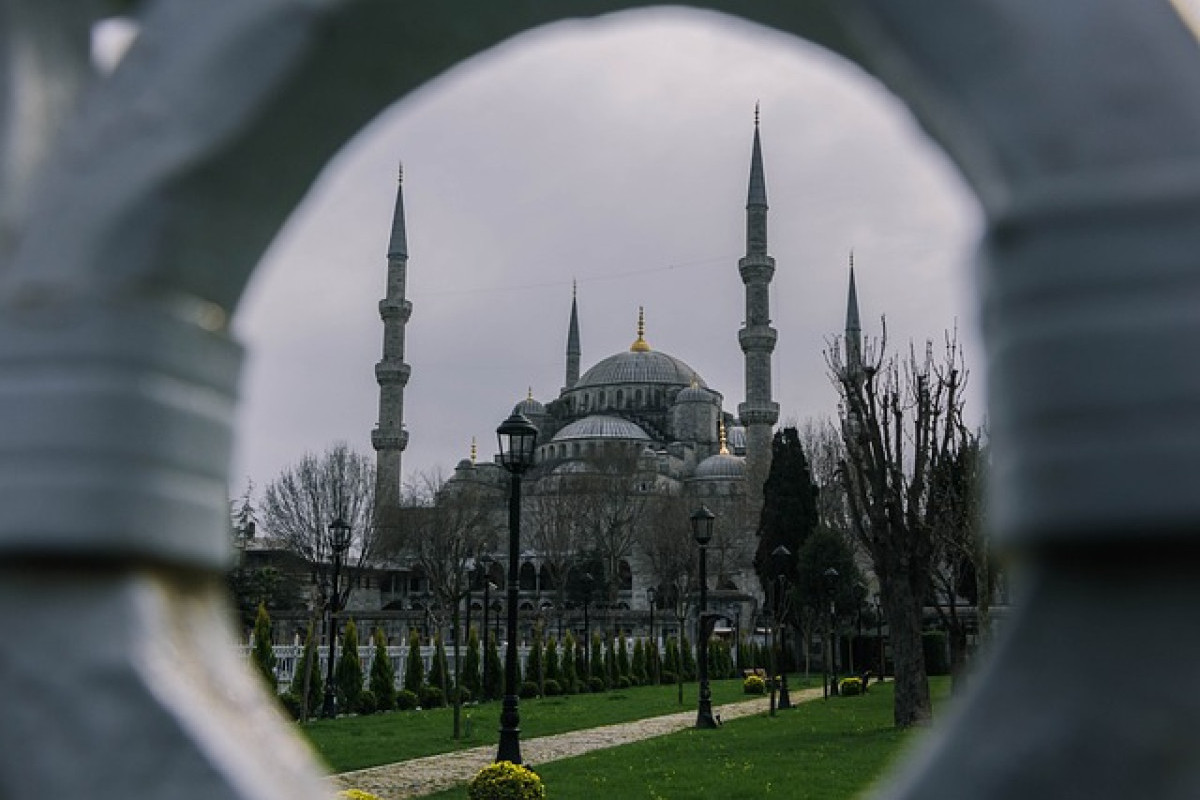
(505, 780)
(357, 794)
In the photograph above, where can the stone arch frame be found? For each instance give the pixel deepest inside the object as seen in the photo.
(1084, 169)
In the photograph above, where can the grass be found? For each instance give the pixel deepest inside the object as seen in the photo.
(818, 751)
(358, 742)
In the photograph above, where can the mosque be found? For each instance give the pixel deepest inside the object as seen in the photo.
(643, 424)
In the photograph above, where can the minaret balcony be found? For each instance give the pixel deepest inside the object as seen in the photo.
(390, 373)
(391, 310)
(389, 439)
(758, 413)
(758, 339)
(756, 268)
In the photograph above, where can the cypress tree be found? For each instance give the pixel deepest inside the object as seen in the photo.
(622, 657)
(262, 653)
(414, 668)
(671, 661)
(569, 677)
(687, 658)
(470, 671)
(610, 664)
(653, 662)
(533, 661)
(637, 666)
(438, 672)
(349, 674)
(596, 660)
(316, 686)
(553, 672)
(383, 674)
(495, 679)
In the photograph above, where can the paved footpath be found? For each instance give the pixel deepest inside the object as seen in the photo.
(422, 776)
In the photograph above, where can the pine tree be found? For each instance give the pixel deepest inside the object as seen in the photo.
(438, 669)
(553, 672)
(653, 662)
(622, 657)
(671, 661)
(568, 671)
(596, 660)
(495, 682)
(349, 675)
(414, 668)
(262, 653)
(383, 674)
(637, 667)
(610, 664)
(316, 686)
(687, 658)
(533, 661)
(470, 671)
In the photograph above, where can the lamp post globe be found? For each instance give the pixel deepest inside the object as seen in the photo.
(517, 437)
(702, 531)
(339, 543)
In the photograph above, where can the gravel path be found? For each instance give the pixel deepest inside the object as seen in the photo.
(423, 776)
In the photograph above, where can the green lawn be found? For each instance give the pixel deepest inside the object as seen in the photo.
(358, 742)
(821, 750)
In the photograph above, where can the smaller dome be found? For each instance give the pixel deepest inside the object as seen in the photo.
(694, 394)
(601, 427)
(530, 407)
(465, 464)
(721, 467)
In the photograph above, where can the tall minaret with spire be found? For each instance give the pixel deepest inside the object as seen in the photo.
(854, 362)
(757, 338)
(389, 437)
(573, 351)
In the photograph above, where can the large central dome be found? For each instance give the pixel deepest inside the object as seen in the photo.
(648, 366)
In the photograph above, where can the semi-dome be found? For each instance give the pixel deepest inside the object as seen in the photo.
(601, 427)
(695, 394)
(721, 467)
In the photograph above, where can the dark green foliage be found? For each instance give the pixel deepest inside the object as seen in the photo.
(623, 682)
(349, 674)
(623, 665)
(291, 704)
(637, 665)
(668, 677)
(597, 684)
(366, 702)
(262, 654)
(596, 660)
(745, 653)
(754, 685)
(438, 670)
(937, 657)
(533, 661)
(383, 674)
(610, 664)
(495, 677)
(568, 675)
(316, 686)
(671, 661)
(552, 688)
(687, 658)
(789, 513)
(825, 549)
(414, 667)
(464, 691)
(552, 670)
(406, 700)
(528, 690)
(471, 679)
(653, 662)
(432, 697)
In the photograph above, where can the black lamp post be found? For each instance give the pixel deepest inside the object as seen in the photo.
(831, 577)
(339, 543)
(517, 437)
(588, 582)
(702, 528)
(879, 636)
(486, 562)
(782, 555)
(651, 596)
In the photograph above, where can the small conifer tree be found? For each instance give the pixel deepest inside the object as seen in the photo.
(623, 666)
(495, 678)
(596, 660)
(414, 668)
(671, 661)
(610, 664)
(533, 661)
(687, 658)
(383, 674)
(553, 671)
(567, 670)
(309, 663)
(262, 653)
(470, 671)
(637, 665)
(438, 670)
(349, 675)
(653, 662)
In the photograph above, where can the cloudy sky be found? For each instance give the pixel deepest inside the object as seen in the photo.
(613, 153)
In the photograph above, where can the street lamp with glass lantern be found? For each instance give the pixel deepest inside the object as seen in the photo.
(831, 579)
(339, 543)
(517, 437)
(651, 596)
(702, 529)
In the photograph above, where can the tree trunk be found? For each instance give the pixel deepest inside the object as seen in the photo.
(912, 704)
(457, 676)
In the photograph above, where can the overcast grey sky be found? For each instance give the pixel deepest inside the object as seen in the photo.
(614, 153)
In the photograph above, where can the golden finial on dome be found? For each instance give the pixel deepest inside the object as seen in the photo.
(530, 395)
(640, 346)
(474, 451)
(721, 434)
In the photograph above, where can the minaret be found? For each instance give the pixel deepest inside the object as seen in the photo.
(854, 363)
(389, 437)
(757, 338)
(573, 351)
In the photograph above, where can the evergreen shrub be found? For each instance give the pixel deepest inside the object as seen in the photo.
(527, 690)
(596, 685)
(367, 704)
(623, 682)
(292, 703)
(432, 697)
(754, 685)
(668, 678)
(552, 688)
(849, 687)
(506, 781)
(406, 700)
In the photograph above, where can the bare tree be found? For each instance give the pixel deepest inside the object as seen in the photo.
(299, 505)
(900, 423)
(554, 523)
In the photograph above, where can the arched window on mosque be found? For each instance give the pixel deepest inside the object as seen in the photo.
(639, 399)
(545, 579)
(528, 581)
(620, 398)
(625, 576)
